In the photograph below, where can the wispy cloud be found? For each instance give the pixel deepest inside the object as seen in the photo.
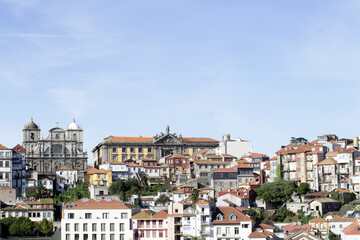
(72, 101)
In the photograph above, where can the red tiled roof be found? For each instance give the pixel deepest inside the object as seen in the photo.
(95, 170)
(327, 161)
(19, 149)
(187, 139)
(130, 139)
(3, 147)
(352, 229)
(224, 170)
(242, 165)
(91, 204)
(226, 212)
(318, 219)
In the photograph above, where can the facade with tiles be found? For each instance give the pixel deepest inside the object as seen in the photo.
(5, 166)
(137, 148)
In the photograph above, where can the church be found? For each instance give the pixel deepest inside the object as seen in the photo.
(61, 147)
(161, 145)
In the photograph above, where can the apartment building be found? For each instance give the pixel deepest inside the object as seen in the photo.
(19, 170)
(98, 221)
(148, 225)
(5, 166)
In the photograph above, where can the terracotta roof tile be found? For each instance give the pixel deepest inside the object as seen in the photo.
(222, 170)
(95, 171)
(241, 165)
(226, 212)
(318, 219)
(3, 147)
(352, 229)
(327, 161)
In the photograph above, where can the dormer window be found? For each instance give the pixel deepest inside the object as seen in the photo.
(232, 217)
(219, 217)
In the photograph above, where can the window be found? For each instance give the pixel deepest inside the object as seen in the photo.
(76, 227)
(321, 225)
(149, 149)
(85, 227)
(67, 236)
(232, 217)
(94, 227)
(114, 157)
(122, 236)
(236, 230)
(7, 164)
(124, 215)
(112, 227)
(219, 217)
(70, 216)
(161, 234)
(132, 149)
(122, 227)
(103, 237)
(87, 215)
(103, 227)
(114, 149)
(227, 231)
(245, 225)
(105, 215)
(112, 236)
(218, 231)
(67, 227)
(154, 234)
(94, 237)
(140, 150)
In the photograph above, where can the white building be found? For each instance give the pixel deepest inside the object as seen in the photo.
(5, 166)
(337, 224)
(118, 169)
(230, 223)
(66, 177)
(237, 147)
(351, 232)
(98, 220)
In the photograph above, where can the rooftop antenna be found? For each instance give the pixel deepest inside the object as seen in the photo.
(57, 124)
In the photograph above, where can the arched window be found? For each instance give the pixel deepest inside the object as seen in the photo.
(74, 136)
(32, 138)
(57, 136)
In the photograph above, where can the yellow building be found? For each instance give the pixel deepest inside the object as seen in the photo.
(319, 225)
(161, 145)
(98, 177)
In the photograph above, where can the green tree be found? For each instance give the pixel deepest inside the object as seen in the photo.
(44, 227)
(333, 236)
(337, 196)
(32, 192)
(256, 214)
(195, 195)
(72, 194)
(303, 188)
(162, 200)
(6, 223)
(22, 226)
(282, 213)
(276, 192)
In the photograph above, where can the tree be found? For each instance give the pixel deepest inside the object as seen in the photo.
(195, 195)
(282, 213)
(162, 200)
(298, 140)
(22, 226)
(255, 214)
(44, 227)
(6, 223)
(333, 236)
(303, 188)
(72, 194)
(276, 192)
(31, 192)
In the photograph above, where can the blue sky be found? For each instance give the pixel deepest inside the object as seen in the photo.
(260, 70)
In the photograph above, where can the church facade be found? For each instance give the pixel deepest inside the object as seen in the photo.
(137, 148)
(60, 148)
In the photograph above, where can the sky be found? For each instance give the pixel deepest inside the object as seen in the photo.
(262, 70)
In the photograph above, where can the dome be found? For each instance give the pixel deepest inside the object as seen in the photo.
(73, 126)
(31, 125)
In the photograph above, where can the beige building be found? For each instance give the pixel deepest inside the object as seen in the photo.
(137, 148)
